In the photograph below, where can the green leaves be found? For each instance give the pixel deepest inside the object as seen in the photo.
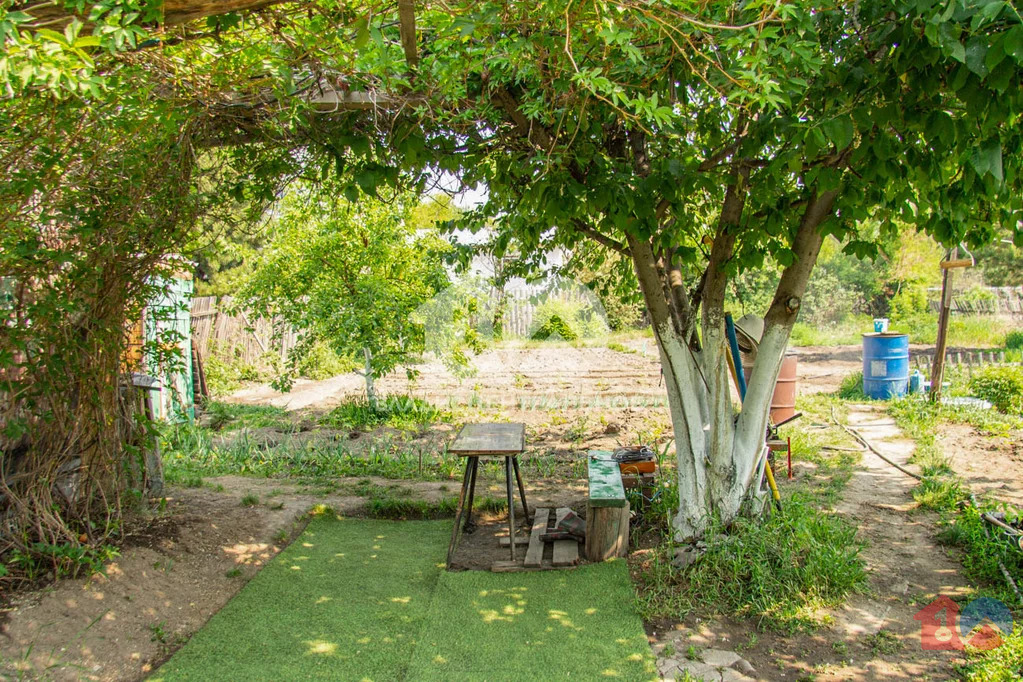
(976, 54)
(840, 131)
(987, 158)
(1012, 43)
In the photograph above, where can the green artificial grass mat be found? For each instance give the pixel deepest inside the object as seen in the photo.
(546, 625)
(345, 601)
(369, 600)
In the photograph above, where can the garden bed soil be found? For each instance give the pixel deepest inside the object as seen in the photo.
(991, 465)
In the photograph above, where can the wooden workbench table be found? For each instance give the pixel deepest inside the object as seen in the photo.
(488, 440)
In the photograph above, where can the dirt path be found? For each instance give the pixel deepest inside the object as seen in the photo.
(907, 568)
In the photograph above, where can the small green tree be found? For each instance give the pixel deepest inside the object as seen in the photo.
(350, 274)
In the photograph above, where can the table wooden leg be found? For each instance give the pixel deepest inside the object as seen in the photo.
(522, 490)
(458, 511)
(470, 525)
(511, 504)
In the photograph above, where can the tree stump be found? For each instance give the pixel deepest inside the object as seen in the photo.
(607, 532)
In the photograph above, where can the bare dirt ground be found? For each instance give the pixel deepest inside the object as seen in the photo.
(188, 560)
(989, 464)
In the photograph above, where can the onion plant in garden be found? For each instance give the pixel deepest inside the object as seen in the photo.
(688, 140)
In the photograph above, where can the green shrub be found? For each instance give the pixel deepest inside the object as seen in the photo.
(1014, 340)
(569, 320)
(910, 301)
(556, 327)
(227, 372)
(399, 411)
(1001, 386)
(321, 362)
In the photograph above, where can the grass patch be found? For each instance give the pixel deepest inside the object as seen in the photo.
(355, 600)
(189, 453)
(579, 624)
(403, 508)
(972, 331)
(967, 330)
(231, 416)
(848, 331)
(347, 600)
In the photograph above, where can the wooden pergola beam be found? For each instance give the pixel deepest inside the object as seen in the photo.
(407, 25)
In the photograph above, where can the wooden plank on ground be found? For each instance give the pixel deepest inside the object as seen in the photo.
(511, 567)
(566, 552)
(519, 540)
(490, 439)
(606, 489)
(534, 553)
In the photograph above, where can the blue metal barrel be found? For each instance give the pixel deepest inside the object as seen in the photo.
(885, 365)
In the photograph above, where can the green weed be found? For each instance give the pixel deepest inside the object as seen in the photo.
(230, 416)
(157, 633)
(64, 560)
(250, 501)
(781, 570)
(398, 411)
(884, 643)
(851, 387)
(619, 348)
(1002, 663)
(1002, 386)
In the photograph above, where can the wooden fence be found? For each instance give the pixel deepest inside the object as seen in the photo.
(993, 301)
(238, 336)
(970, 359)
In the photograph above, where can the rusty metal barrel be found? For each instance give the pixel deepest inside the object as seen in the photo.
(783, 401)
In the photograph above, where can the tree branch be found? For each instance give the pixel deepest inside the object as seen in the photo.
(806, 246)
(599, 237)
(715, 280)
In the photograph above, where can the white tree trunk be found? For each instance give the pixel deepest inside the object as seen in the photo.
(371, 392)
(716, 453)
(685, 386)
